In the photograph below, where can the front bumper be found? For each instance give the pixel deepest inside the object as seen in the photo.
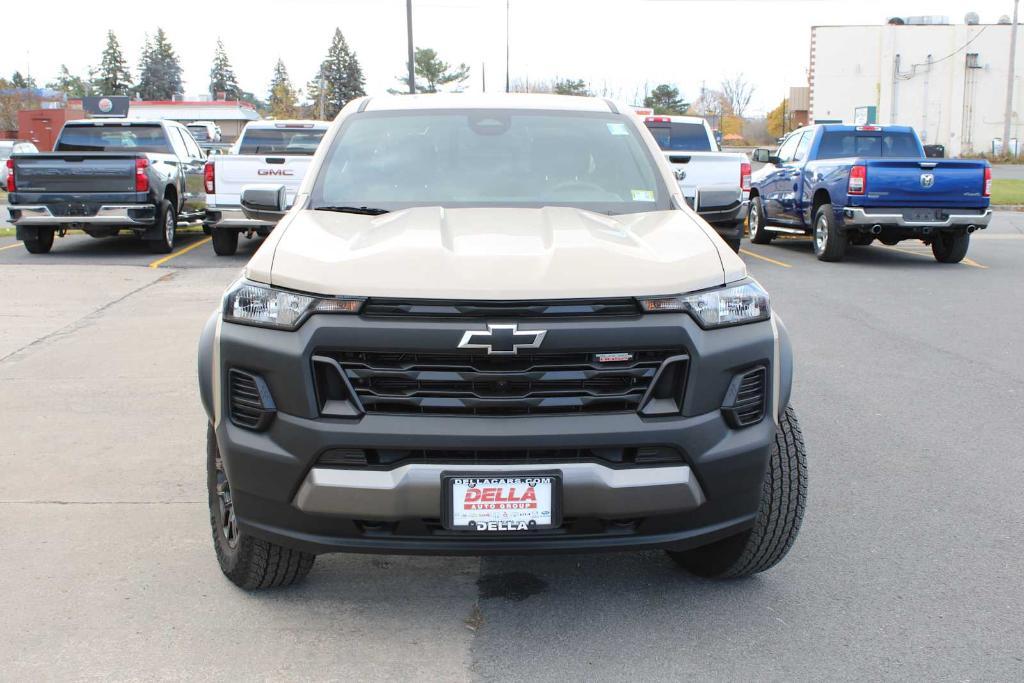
(232, 217)
(105, 215)
(857, 217)
(282, 493)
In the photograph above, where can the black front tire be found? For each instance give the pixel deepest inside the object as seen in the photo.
(951, 247)
(41, 243)
(225, 241)
(166, 223)
(829, 241)
(783, 496)
(250, 563)
(756, 223)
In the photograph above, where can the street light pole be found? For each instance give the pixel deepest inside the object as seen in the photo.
(1009, 82)
(412, 69)
(507, 82)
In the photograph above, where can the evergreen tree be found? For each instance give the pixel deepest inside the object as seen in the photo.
(114, 78)
(222, 76)
(341, 77)
(283, 100)
(432, 72)
(665, 99)
(159, 70)
(71, 85)
(19, 81)
(568, 86)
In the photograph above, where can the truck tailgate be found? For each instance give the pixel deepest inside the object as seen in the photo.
(925, 182)
(233, 172)
(78, 173)
(706, 169)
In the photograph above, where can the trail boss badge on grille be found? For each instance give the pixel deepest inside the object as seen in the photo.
(502, 340)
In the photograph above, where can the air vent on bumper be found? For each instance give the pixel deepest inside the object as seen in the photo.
(745, 400)
(250, 405)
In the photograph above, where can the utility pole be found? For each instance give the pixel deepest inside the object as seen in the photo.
(412, 68)
(508, 87)
(1009, 83)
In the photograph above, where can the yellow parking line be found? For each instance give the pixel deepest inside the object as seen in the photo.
(11, 246)
(765, 258)
(160, 261)
(972, 262)
(928, 255)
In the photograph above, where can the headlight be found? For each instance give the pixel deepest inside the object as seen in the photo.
(255, 304)
(731, 305)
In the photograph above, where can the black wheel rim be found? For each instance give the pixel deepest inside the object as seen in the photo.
(226, 507)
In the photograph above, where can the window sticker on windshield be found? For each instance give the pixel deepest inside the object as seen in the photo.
(643, 195)
(617, 129)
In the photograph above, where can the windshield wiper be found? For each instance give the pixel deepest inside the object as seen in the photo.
(364, 210)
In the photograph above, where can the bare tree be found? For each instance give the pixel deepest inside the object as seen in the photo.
(737, 93)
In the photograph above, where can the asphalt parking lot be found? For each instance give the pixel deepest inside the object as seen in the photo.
(909, 388)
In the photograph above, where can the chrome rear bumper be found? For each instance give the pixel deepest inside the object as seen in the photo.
(108, 214)
(856, 216)
(232, 217)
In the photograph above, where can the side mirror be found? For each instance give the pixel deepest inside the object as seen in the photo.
(762, 156)
(264, 202)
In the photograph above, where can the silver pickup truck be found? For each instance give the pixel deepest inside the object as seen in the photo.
(107, 176)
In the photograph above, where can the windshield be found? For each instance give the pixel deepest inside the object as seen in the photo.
(113, 138)
(200, 133)
(683, 137)
(280, 141)
(840, 144)
(463, 158)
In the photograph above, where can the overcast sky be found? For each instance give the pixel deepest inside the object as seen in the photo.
(618, 45)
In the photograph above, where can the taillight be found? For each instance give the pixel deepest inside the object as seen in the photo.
(658, 119)
(745, 177)
(987, 192)
(208, 177)
(141, 179)
(11, 187)
(858, 180)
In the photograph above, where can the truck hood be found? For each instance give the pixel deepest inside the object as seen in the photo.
(493, 254)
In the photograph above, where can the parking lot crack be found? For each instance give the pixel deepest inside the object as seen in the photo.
(83, 321)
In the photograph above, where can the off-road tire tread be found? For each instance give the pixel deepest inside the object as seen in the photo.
(779, 515)
(257, 564)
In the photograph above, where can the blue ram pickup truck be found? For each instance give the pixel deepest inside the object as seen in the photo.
(848, 185)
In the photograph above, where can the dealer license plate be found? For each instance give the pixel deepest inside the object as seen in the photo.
(494, 503)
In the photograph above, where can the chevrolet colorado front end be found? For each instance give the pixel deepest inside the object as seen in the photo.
(490, 324)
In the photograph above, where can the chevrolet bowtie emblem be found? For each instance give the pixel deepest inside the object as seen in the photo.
(502, 340)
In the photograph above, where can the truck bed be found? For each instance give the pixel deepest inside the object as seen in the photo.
(76, 172)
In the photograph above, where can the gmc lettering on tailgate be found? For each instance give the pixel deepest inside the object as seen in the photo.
(275, 171)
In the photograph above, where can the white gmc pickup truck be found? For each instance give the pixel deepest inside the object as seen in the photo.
(267, 151)
(715, 183)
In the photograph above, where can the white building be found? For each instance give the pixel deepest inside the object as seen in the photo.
(947, 81)
(230, 115)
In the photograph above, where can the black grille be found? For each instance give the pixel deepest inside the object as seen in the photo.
(429, 308)
(376, 458)
(474, 384)
(745, 401)
(249, 399)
